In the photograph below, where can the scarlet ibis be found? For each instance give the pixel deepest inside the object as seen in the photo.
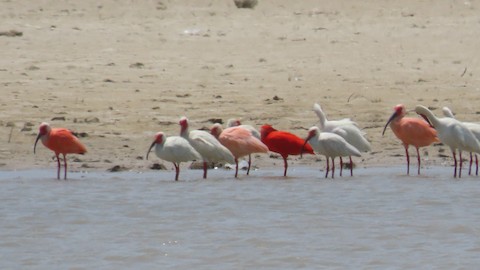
(283, 143)
(255, 133)
(60, 141)
(239, 141)
(411, 131)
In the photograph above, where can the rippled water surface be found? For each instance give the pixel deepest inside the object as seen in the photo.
(379, 218)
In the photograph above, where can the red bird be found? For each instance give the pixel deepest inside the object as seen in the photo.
(61, 141)
(283, 143)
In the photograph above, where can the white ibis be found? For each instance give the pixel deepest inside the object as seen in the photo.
(347, 129)
(453, 133)
(475, 129)
(330, 145)
(174, 149)
(206, 145)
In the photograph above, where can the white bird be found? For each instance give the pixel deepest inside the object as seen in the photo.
(206, 144)
(453, 133)
(347, 129)
(474, 128)
(254, 131)
(330, 145)
(174, 149)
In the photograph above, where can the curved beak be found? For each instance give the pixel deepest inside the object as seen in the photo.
(426, 119)
(388, 122)
(303, 146)
(35, 145)
(150, 149)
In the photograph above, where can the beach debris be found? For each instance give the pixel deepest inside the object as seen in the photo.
(245, 3)
(158, 166)
(11, 33)
(118, 168)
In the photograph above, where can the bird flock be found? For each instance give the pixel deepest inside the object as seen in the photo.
(330, 138)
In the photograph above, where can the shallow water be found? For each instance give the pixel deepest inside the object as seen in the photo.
(379, 218)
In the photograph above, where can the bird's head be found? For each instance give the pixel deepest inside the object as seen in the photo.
(398, 112)
(43, 130)
(216, 130)
(183, 124)
(312, 132)
(158, 139)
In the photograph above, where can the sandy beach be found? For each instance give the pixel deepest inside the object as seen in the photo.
(119, 72)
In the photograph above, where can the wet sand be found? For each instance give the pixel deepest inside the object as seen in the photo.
(121, 72)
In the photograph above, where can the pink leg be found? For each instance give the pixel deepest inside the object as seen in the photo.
(333, 167)
(476, 164)
(177, 170)
(460, 171)
(205, 170)
(408, 159)
(341, 166)
(236, 168)
(418, 157)
(58, 166)
(65, 162)
(470, 166)
(328, 169)
(249, 163)
(285, 166)
(351, 166)
(455, 164)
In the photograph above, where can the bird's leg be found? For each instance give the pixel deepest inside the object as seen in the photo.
(470, 166)
(58, 166)
(476, 164)
(341, 166)
(455, 164)
(285, 165)
(418, 158)
(236, 167)
(328, 169)
(333, 167)
(177, 170)
(408, 160)
(65, 163)
(249, 163)
(205, 169)
(351, 166)
(460, 171)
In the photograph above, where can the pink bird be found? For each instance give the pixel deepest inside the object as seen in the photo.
(284, 143)
(411, 131)
(61, 141)
(174, 149)
(206, 145)
(255, 133)
(239, 141)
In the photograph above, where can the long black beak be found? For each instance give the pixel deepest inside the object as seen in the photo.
(303, 146)
(35, 145)
(150, 149)
(388, 122)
